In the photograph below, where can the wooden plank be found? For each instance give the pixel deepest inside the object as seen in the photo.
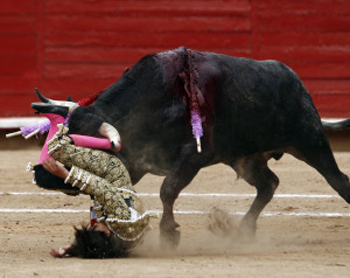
(164, 8)
(19, 106)
(117, 23)
(16, 85)
(315, 54)
(17, 24)
(255, 30)
(328, 87)
(18, 7)
(17, 65)
(97, 54)
(305, 23)
(147, 39)
(331, 97)
(83, 71)
(322, 70)
(17, 45)
(302, 38)
(18, 97)
(296, 7)
(40, 28)
(18, 74)
(60, 88)
(336, 105)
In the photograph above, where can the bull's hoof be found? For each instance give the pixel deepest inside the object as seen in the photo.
(247, 231)
(169, 240)
(169, 235)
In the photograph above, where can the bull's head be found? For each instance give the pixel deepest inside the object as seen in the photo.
(64, 107)
(53, 106)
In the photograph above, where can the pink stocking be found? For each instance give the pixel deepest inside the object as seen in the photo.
(91, 142)
(54, 121)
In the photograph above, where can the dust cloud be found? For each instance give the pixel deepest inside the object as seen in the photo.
(218, 236)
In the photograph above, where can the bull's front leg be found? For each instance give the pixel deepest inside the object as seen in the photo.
(170, 190)
(169, 235)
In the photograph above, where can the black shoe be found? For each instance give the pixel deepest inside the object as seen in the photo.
(46, 180)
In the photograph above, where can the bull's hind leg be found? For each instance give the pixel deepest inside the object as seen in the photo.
(255, 171)
(315, 151)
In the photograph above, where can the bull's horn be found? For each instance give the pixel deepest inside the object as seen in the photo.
(110, 132)
(71, 105)
(42, 98)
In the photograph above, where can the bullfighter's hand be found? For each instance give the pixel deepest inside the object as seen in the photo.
(60, 253)
(54, 168)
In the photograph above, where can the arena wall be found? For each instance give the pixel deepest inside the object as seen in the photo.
(77, 47)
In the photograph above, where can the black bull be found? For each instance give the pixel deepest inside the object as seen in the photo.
(252, 111)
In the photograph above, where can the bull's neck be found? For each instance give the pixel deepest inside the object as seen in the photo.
(117, 101)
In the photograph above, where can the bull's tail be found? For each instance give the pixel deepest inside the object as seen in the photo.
(336, 124)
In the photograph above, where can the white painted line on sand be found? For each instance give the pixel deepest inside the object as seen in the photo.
(30, 193)
(183, 212)
(30, 210)
(235, 195)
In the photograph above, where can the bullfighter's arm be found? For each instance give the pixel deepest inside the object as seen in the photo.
(51, 166)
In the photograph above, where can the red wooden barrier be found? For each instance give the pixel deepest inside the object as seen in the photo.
(77, 47)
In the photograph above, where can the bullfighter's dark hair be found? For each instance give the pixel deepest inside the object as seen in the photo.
(96, 245)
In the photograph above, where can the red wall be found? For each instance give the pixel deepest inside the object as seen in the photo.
(77, 47)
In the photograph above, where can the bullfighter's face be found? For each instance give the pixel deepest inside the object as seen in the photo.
(101, 227)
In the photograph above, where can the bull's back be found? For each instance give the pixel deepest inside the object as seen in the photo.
(260, 106)
(249, 106)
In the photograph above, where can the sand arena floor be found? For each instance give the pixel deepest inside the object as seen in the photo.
(304, 231)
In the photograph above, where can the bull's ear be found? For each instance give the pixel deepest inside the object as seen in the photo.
(69, 98)
(110, 132)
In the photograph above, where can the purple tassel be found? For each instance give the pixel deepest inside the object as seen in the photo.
(197, 129)
(196, 123)
(42, 126)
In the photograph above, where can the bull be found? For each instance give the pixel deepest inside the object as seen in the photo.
(250, 112)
